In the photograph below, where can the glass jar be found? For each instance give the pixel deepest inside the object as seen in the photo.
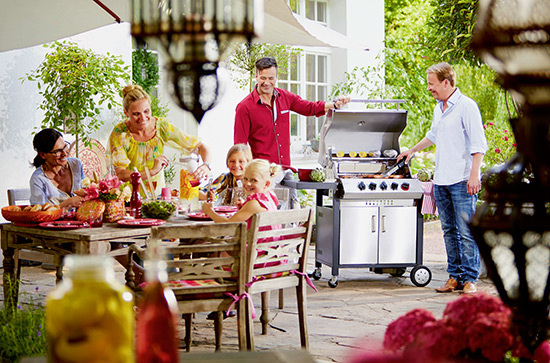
(90, 316)
(189, 187)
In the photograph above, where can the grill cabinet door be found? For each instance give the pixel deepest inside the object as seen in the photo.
(397, 242)
(358, 233)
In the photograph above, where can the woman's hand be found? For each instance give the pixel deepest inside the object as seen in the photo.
(160, 162)
(75, 201)
(201, 172)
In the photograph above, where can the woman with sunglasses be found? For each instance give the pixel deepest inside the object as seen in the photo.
(56, 176)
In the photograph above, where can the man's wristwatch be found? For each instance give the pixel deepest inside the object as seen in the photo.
(207, 165)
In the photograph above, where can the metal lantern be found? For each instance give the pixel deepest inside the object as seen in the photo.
(195, 35)
(512, 228)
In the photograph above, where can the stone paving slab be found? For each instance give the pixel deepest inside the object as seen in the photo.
(341, 320)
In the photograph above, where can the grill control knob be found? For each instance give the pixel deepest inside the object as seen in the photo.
(383, 185)
(394, 186)
(372, 186)
(405, 186)
(361, 186)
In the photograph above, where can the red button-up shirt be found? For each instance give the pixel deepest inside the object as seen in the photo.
(269, 138)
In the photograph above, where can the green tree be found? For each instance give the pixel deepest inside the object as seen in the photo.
(243, 60)
(75, 83)
(451, 26)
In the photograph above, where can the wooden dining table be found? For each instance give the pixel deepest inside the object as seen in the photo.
(61, 242)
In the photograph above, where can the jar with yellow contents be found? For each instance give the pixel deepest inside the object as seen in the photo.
(90, 316)
(189, 186)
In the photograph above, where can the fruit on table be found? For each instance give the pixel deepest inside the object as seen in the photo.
(318, 175)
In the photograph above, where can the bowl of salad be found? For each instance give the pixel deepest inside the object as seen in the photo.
(158, 209)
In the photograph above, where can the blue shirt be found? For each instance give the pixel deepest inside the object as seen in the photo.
(42, 189)
(457, 133)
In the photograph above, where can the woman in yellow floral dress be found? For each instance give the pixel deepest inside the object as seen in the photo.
(140, 140)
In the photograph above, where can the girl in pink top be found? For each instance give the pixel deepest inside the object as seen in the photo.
(259, 196)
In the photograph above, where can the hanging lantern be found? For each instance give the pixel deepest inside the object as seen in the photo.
(195, 35)
(512, 228)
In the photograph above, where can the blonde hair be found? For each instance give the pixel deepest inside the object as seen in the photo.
(239, 148)
(132, 93)
(264, 168)
(443, 71)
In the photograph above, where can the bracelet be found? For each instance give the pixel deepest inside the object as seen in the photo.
(208, 166)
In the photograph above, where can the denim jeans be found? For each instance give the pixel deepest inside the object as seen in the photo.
(456, 207)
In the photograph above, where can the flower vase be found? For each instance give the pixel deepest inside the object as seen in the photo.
(114, 211)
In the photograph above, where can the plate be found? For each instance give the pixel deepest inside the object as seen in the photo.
(199, 216)
(141, 222)
(64, 225)
(226, 209)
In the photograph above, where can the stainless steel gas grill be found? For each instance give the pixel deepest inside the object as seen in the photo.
(374, 220)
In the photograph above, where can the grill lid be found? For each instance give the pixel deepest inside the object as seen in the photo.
(364, 130)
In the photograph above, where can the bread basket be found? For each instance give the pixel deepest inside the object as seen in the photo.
(31, 217)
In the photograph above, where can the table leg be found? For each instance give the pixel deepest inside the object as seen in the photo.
(58, 262)
(11, 285)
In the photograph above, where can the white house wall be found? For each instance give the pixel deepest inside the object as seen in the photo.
(19, 114)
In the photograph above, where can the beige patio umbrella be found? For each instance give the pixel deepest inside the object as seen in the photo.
(28, 23)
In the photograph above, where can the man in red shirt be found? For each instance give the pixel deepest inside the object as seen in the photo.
(262, 118)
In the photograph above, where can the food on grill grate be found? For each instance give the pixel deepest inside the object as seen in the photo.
(352, 154)
(340, 154)
(362, 154)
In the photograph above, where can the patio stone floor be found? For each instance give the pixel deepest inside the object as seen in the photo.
(341, 320)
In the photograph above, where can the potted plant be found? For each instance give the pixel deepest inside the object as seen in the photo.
(76, 83)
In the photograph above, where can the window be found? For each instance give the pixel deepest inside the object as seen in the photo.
(316, 10)
(291, 82)
(316, 89)
(311, 9)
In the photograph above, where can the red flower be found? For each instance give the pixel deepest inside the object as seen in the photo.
(505, 138)
(435, 342)
(506, 131)
(497, 150)
(491, 334)
(402, 331)
(514, 144)
(490, 123)
(465, 311)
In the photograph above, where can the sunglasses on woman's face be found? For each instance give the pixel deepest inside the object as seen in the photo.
(58, 152)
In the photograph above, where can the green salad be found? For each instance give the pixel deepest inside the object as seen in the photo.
(158, 209)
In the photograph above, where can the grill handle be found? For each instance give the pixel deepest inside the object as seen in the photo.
(361, 100)
(383, 223)
(373, 224)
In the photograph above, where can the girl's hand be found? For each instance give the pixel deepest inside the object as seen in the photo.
(206, 208)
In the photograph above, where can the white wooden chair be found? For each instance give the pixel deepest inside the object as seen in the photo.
(202, 281)
(278, 244)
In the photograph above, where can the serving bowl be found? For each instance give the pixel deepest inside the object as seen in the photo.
(31, 217)
(158, 209)
(304, 174)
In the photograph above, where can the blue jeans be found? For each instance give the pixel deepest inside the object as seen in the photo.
(456, 207)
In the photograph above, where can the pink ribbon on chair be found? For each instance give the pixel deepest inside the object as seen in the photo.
(254, 279)
(308, 280)
(236, 298)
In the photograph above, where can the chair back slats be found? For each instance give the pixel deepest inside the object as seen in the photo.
(204, 268)
(285, 245)
(19, 196)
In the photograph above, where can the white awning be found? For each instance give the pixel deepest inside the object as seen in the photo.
(28, 23)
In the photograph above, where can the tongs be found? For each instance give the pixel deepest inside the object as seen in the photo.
(396, 167)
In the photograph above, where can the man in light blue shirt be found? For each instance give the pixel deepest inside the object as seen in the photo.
(457, 132)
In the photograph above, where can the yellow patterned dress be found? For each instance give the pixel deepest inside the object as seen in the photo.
(125, 152)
